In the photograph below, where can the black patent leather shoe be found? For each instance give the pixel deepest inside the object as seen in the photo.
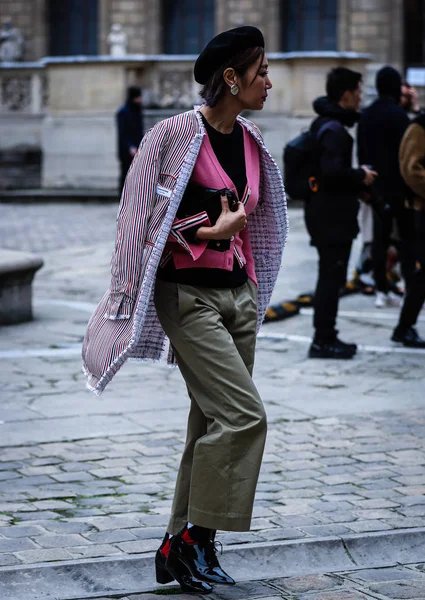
(212, 553)
(167, 570)
(333, 349)
(200, 558)
(408, 337)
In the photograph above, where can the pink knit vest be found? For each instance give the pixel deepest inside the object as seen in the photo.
(209, 173)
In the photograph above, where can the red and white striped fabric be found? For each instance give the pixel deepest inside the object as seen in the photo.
(125, 324)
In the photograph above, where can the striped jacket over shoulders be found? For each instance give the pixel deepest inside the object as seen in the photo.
(124, 324)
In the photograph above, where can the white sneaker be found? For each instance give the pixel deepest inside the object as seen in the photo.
(380, 300)
(393, 299)
(389, 299)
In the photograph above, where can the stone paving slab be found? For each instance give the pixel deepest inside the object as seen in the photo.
(49, 226)
(111, 495)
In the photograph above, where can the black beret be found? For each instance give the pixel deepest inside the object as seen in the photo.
(221, 49)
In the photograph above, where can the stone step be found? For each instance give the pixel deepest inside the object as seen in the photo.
(17, 270)
(95, 578)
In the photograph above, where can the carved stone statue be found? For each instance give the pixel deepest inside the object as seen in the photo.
(117, 40)
(11, 42)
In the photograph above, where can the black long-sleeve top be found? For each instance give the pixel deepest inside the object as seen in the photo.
(381, 129)
(331, 213)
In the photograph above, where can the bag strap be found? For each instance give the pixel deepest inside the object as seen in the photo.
(332, 124)
(314, 181)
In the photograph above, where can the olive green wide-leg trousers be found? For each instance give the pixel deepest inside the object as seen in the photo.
(213, 333)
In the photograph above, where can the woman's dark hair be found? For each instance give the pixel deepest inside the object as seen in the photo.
(215, 87)
(341, 80)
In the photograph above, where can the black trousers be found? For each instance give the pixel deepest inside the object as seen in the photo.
(333, 264)
(415, 296)
(384, 217)
(125, 165)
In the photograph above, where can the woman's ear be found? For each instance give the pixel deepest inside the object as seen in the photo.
(229, 76)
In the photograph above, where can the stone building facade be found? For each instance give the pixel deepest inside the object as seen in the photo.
(57, 107)
(377, 27)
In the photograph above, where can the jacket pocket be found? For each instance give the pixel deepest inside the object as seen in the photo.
(118, 306)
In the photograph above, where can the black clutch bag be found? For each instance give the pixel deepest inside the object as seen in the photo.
(197, 198)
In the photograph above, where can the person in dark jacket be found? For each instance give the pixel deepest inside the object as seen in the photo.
(130, 130)
(331, 213)
(381, 128)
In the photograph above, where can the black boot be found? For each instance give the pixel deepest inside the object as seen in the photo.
(195, 548)
(335, 348)
(169, 569)
(408, 336)
(213, 560)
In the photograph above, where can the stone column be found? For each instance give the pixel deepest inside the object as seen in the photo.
(396, 39)
(36, 87)
(372, 26)
(153, 27)
(140, 20)
(343, 25)
(264, 15)
(40, 29)
(104, 25)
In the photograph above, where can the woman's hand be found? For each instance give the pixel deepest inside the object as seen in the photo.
(228, 223)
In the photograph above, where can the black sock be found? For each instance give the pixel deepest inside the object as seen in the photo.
(195, 534)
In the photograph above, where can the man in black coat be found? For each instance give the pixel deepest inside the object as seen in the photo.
(130, 130)
(331, 213)
(381, 129)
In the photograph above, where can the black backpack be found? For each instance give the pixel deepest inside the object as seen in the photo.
(301, 164)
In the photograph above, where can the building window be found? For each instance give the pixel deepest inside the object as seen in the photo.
(188, 25)
(309, 25)
(73, 26)
(414, 33)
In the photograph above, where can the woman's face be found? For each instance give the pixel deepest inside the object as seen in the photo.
(254, 85)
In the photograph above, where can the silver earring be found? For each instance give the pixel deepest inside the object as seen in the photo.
(234, 89)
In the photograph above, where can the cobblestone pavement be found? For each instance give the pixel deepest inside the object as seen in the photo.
(83, 477)
(51, 226)
(112, 495)
(394, 583)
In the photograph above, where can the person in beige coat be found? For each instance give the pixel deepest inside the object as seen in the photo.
(412, 167)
